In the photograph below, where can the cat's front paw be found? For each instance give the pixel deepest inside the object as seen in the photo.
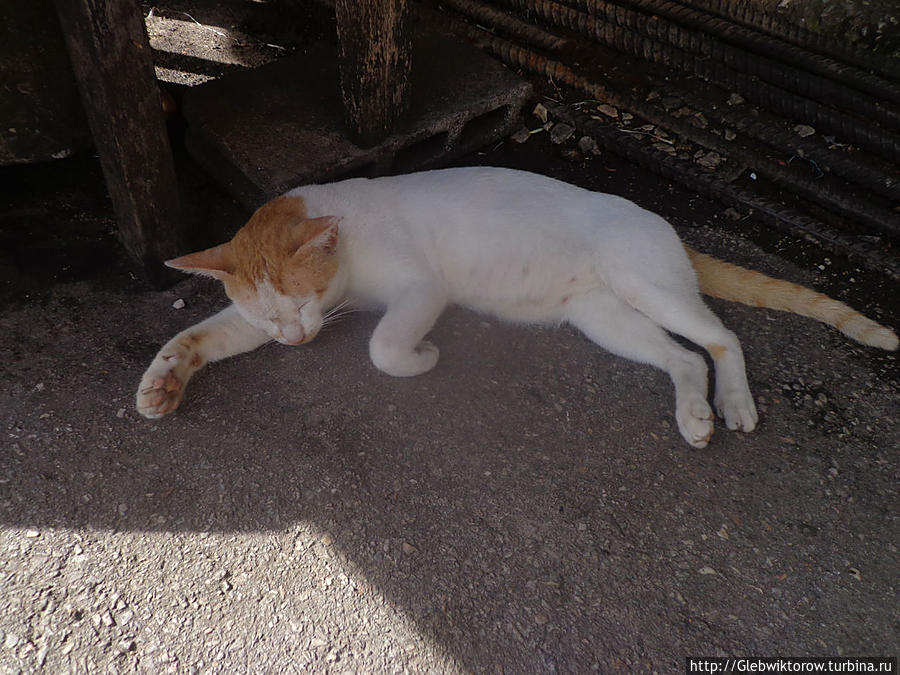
(404, 363)
(162, 386)
(158, 396)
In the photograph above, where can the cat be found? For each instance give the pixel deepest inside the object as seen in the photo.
(517, 245)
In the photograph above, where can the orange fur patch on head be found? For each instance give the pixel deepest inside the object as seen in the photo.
(279, 244)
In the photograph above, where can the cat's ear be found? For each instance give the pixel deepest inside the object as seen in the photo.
(321, 233)
(212, 262)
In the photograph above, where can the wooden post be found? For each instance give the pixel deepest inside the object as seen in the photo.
(110, 55)
(374, 44)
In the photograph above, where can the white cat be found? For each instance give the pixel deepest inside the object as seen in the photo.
(517, 245)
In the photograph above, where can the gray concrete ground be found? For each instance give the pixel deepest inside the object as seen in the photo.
(527, 507)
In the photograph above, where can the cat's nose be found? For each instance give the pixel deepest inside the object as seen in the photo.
(294, 336)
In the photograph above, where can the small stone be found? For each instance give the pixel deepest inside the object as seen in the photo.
(409, 548)
(608, 110)
(120, 413)
(11, 641)
(41, 656)
(735, 99)
(520, 136)
(588, 146)
(561, 133)
(126, 617)
(178, 304)
(126, 646)
(540, 111)
(706, 571)
(32, 534)
(730, 135)
(804, 130)
(709, 160)
(665, 147)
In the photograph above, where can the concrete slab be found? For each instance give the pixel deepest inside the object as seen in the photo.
(264, 131)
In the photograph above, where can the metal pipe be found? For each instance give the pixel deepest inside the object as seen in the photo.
(509, 25)
(616, 31)
(792, 59)
(747, 14)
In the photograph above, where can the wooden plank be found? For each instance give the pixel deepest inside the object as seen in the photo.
(111, 58)
(374, 46)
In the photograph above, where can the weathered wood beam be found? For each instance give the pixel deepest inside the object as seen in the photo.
(111, 58)
(374, 46)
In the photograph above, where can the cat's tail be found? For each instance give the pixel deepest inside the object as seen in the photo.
(727, 281)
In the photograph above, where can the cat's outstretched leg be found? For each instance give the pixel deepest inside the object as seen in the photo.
(614, 325)
(397, 347)
(221, 335)
(687, 315)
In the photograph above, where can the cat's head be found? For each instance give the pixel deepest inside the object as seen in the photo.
(276, 269)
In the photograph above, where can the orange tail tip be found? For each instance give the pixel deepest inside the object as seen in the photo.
(724, 280)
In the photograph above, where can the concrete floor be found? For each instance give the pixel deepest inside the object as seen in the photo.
(526, 507)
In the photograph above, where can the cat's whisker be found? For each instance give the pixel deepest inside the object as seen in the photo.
(338, 307)
(337, 312)
(334, 315)
(334, 320)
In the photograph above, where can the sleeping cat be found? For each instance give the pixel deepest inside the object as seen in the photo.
(516, 245)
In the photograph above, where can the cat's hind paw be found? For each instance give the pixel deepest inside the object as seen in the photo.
(738, 410)
(695, 422)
